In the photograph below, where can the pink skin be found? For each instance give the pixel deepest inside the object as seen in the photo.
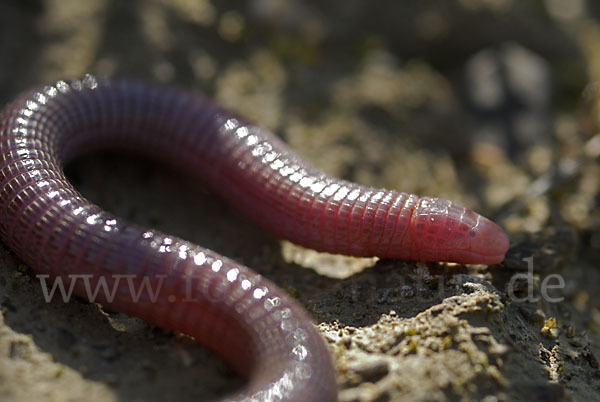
(247, 319)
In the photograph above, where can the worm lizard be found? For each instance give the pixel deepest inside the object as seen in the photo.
(250, 322)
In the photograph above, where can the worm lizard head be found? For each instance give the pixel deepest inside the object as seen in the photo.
(446, 231)
(487, 242)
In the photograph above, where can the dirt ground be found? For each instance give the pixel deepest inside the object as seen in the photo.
(491, 103)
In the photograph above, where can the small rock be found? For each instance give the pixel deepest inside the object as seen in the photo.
(370, 369)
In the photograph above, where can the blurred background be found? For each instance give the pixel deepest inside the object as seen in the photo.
(491, 103)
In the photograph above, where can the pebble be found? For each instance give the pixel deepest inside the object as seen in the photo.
(370, 369)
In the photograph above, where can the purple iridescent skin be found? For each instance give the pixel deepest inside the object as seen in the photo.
(253, 324)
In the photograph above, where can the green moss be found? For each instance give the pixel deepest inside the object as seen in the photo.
(59, 371)
(447, 342)
(411, 332)
(550, 328)
(412, 347)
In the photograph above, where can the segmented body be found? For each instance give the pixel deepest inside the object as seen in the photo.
(248, 320)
